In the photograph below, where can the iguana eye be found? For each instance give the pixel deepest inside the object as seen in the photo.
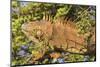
(34, 32)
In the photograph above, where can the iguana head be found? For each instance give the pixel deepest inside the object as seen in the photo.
(37, 30)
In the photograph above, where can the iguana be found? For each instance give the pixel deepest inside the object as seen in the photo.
(60, 35)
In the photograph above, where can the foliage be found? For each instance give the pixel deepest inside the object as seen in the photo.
(87, 20)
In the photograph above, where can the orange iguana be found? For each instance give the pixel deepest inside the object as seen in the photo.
(60, 35)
